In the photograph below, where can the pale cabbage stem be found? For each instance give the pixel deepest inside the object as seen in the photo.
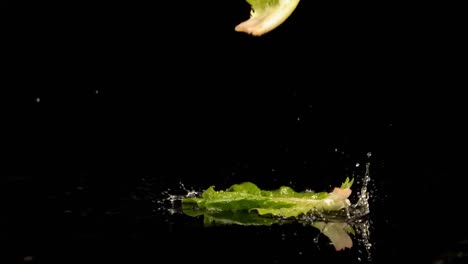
(263, 21)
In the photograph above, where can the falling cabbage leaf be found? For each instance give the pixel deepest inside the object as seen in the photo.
(266, 15)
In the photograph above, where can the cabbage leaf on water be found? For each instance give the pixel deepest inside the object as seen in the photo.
(246, 204)
(283, 202)
(266, 15)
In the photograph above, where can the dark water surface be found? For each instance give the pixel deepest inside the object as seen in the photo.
(111, 108)
(90, 183)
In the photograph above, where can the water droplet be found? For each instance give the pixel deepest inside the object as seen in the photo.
(96, 91)
(316, 239)
(298, 119)
(191, 194)
(357, 164)
(181, 184)
(300, 252)
(336, 149)
(38, 100)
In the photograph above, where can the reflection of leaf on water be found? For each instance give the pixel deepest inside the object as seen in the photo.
(337, 231)
(231, 217)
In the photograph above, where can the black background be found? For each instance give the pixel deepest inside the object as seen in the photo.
(105, 105)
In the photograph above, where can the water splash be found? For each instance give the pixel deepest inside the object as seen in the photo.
(362, 227)
(361, 207)
(360, 210)
(190, 193)
(175, 199)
